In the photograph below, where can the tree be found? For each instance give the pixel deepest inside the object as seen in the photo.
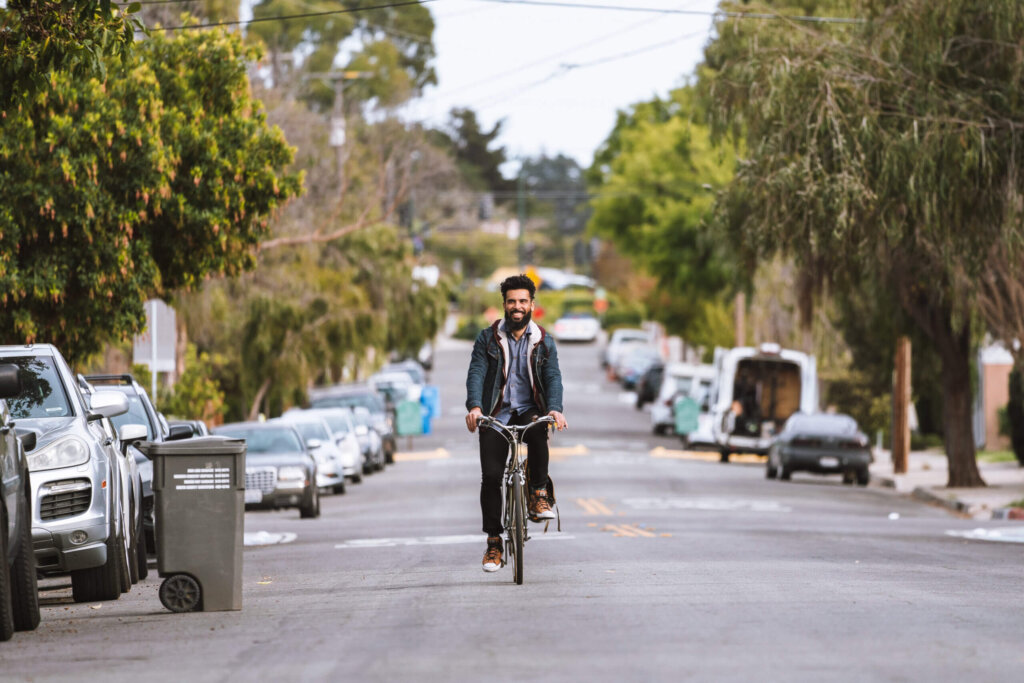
(472, 148)
(196, 396)
(75, 37)
(651, 181)
(116, 191)
(884, 150)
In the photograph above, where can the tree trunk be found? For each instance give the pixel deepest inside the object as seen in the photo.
(958, 409)
(254, 411)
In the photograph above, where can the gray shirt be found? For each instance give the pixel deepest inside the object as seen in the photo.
(518, 394)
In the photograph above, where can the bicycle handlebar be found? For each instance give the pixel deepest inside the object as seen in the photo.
(512, 430)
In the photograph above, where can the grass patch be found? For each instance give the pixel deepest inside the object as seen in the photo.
(996, 456)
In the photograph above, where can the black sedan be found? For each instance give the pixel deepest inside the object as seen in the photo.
(823, 443)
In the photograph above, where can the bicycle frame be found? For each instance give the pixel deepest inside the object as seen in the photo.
(513, 489)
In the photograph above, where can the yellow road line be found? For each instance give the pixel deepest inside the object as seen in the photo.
(707, 456)
(567, 451)
(593, 506)
(620, 530)
(642, 532)
(412, 456)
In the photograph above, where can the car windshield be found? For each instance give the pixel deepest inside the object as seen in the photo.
(412, 371)
(822, 423)
(312, 430)
(136, 411)
(370, 401)
(338, 423)
(42, 393)
(265, 439)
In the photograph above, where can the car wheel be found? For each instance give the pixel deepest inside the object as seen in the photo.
(24, 587)
(724, 456)
(338, 488)
(103, 582)
(357, 479)
(863, 476)
(311, 509)
(658, 429)
(6, 604)
(770, 471)
(784, 472)
(848, 477)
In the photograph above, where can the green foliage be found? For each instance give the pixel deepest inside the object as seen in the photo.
(77, 38)
(196, 395)
(470, 327)
(114, 192)
(651, 180)
(479, 164)
(856, 395)
(143, 376)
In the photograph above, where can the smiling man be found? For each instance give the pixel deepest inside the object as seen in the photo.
(514, 377)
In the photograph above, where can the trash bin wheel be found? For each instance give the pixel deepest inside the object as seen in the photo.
(180, 593)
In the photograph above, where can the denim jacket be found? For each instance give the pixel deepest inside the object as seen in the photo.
(488, 371)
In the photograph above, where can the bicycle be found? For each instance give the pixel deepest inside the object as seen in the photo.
(513, 485)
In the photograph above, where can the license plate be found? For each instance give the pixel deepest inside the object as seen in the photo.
(828, 462)
(253, 496)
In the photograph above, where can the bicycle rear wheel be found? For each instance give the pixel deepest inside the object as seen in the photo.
(518, 529)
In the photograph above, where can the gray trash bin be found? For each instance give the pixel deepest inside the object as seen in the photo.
(199, 486)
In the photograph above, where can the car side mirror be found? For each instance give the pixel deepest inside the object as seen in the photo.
(28, 439)
(179, 432)
(313, 444)
(10, 381)
(130, 434)
(106, 404)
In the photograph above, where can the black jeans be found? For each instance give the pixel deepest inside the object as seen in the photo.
(493, 453)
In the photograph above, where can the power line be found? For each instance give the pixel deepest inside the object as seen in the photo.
(306, 15)
(659, 10)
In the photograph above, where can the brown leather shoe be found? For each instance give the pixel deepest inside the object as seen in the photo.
(492, 558)
(540, 506)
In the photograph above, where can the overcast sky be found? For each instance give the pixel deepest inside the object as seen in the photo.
(513, 62)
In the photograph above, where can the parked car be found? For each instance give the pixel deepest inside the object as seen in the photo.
(649, 383)
(280, 472)
(330, 471)
(757, 390)
(198, 427)
(822, 443)
(619, 341)
(19, 594)
(79, 526)
(343, 431)
(355, 395)
(396, 386)
(410, 367)
(680, 379)
(141, 411)
(131, 483)
(369, 440)
(576, 327)
(634, 363)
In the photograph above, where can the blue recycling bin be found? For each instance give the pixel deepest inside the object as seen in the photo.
(426, 419)
(431, 398)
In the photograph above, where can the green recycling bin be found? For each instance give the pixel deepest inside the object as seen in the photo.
(199, 485)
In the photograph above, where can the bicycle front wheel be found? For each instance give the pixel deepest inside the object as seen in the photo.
(518, 529)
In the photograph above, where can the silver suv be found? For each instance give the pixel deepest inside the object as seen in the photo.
(79, 524)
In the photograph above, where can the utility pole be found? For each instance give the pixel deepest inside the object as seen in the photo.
(338, 129)
(521, 215)
(740, 319)
(900, 405)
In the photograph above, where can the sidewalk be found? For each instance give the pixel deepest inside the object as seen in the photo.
(927, 474)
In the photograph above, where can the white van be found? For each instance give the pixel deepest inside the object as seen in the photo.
(756, 391)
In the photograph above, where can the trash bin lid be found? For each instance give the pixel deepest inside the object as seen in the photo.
(202, 445)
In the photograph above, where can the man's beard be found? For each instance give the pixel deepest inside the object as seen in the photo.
(513, 326)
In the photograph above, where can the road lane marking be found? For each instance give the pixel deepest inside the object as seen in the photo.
(434, 540)
(707, 456)
(706, 504)
(1002, 535)
(594, 506)
(415, 456)
(257, 538)
(628, 530)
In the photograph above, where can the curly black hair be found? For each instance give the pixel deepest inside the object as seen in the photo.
(518, 282)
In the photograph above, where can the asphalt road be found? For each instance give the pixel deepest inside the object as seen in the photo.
(668, 567)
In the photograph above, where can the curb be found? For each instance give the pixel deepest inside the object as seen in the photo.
(929, 496)
(1010, 513)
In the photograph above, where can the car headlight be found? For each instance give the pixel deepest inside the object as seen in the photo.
(66, 452)
(291, 474)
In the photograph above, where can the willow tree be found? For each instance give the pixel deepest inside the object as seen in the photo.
(888, 149)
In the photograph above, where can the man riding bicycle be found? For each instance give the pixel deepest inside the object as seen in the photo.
(514, 375)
